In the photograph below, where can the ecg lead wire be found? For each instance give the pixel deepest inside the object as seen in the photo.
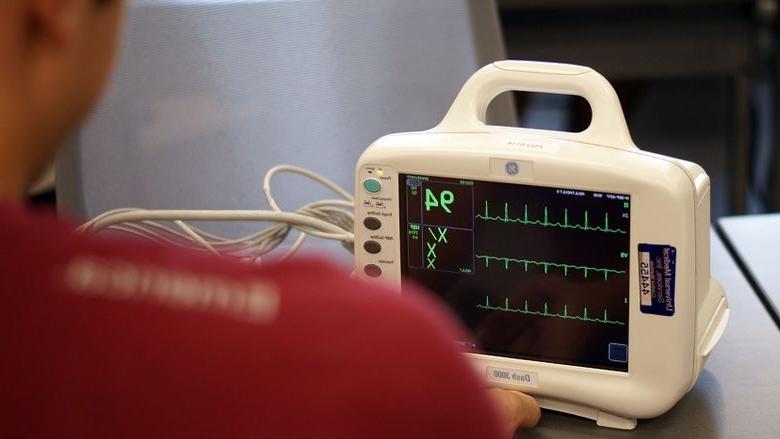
(328, 219)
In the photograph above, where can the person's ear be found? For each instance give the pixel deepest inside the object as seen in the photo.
(53, 22)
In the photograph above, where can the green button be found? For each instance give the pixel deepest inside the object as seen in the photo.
(372, 185)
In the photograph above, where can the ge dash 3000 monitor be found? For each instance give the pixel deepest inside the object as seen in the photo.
(579, 262)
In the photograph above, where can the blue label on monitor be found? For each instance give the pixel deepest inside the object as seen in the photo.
(656, 279)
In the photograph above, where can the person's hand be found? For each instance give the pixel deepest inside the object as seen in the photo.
(517, 409)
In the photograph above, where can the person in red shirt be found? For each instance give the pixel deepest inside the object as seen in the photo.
(131, 339)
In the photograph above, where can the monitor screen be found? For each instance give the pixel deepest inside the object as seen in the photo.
(537, 273)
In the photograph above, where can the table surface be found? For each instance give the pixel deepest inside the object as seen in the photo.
(755, 245)
(738, 392)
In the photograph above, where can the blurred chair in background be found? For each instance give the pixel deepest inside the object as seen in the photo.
(208, 95)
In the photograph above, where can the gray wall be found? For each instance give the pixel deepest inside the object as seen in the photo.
(208, 95)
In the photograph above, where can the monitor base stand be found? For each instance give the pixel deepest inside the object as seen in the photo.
(603, 419)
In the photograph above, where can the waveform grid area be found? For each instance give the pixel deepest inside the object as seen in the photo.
(545, 313)
(545, 222)
(546, 264)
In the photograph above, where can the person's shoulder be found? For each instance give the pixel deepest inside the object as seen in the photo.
(385, 355)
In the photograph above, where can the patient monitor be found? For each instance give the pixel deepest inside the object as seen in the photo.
(580, 263)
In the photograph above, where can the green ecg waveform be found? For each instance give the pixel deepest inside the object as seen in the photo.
(546, 264)
(505, 218)
(545, 312)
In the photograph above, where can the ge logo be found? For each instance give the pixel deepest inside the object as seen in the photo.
(511, 168)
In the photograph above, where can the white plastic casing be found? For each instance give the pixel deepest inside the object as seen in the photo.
(669, 205)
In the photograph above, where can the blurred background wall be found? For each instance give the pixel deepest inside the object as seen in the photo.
(696, 79)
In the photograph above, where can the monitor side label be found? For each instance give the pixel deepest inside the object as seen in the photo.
(657, 278)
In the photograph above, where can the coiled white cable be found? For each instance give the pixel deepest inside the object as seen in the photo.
(328, 219)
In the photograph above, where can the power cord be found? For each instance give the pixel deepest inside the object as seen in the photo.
(328, 219)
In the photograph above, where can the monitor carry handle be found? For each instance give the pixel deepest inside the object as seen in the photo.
(607, 127)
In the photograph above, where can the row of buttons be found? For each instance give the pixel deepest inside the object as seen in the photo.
(372, 185)
(372, 223)
(373, 247)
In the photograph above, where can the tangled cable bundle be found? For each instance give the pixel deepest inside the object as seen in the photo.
(328, 219)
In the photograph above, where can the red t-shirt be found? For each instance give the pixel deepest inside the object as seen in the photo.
(109, 339)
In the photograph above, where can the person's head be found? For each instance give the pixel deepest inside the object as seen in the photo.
(55, 56)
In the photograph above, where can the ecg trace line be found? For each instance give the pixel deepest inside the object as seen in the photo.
(584, 317)
(546, 223)
(546, 264)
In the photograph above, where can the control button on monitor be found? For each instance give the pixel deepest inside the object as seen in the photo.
(372, 185)
(372, 247)
(372, 223)
(618, 352)
(372, 270)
